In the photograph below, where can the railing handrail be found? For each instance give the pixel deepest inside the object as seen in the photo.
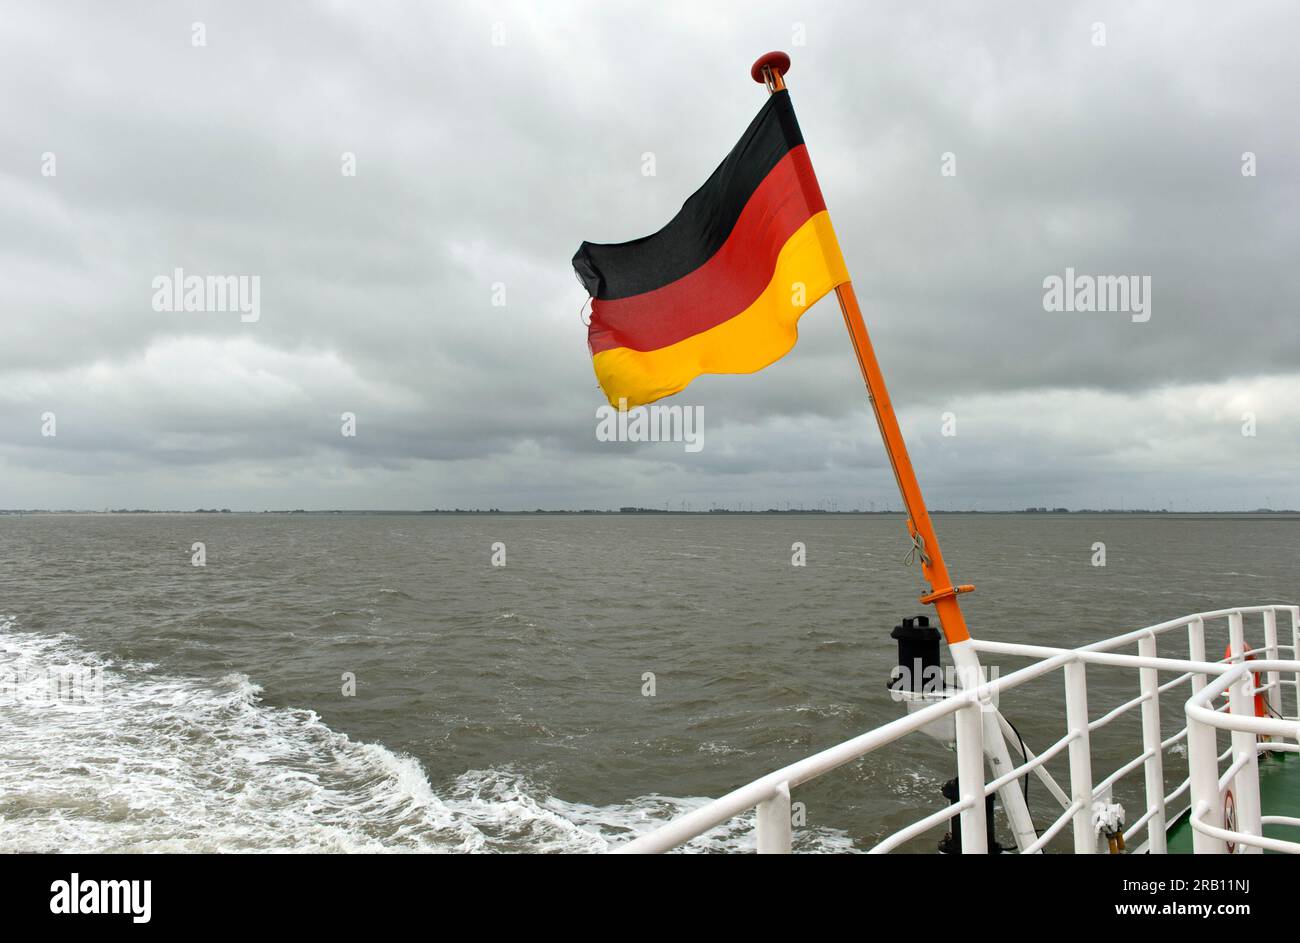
(1160, 628)
(775, 786)
(1240, 838)
(1198, 708)
(699, 821)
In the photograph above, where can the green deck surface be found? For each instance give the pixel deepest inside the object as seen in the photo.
(1279, 792)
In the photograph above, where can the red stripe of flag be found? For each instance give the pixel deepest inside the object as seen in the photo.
(727, 283)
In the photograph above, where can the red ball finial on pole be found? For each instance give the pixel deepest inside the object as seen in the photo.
(769, 69)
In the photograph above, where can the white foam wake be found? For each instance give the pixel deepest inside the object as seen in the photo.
(175, 764)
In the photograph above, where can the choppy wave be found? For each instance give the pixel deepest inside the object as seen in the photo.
(160, 763)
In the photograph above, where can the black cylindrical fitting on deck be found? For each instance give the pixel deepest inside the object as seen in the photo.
(918, 656)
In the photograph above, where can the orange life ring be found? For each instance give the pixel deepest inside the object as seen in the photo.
(1230, 818)
(1260, 710)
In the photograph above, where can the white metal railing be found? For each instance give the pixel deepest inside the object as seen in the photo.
(770, 795)
(1210, 789)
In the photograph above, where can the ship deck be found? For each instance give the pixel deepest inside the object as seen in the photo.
(1279, 794)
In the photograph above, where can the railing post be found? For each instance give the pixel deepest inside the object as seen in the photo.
(1295, 652)
(774, 831)
(1241, 702)
(1273, 696)
(1076, 718)
(1196, 651)
(1203, 772)
(1236, 637)
(1155, 769)
(970, 778)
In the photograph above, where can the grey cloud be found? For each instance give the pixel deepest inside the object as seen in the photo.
(480, 164)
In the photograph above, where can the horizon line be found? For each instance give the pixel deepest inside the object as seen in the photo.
(633, 510)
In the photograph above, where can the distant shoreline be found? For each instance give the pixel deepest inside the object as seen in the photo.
(647, 512)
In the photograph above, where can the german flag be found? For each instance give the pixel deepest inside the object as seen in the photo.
(719, 289)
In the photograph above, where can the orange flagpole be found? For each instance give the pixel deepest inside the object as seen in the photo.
(770, 70)
(943, 594)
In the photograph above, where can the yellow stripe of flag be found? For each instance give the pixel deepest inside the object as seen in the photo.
(761, 334)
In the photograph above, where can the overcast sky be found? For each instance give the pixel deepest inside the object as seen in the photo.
(490, 139)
